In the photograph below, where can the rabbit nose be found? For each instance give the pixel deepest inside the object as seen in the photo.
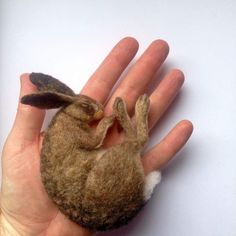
(98, 115)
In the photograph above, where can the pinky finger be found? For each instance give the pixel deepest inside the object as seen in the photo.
(163, 152)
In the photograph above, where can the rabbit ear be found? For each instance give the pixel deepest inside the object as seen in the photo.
(46, 83)
(47, 100)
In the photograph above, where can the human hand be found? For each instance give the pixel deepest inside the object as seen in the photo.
(26, 208)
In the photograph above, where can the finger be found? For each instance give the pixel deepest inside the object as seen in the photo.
(163, 96)
(139, 77)
(102, 81)
(28, 121)
(163, 152)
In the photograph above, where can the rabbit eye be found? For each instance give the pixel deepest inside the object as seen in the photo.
(87, 108)
(84, 105)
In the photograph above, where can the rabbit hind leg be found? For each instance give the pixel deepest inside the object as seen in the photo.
(141, 116)
(122, 116)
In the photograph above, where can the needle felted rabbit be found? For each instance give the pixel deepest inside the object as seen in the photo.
(98, 188)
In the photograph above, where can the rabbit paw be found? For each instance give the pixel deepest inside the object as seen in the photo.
(119, 106)
(142, 104)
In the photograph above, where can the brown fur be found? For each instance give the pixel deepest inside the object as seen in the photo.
(98, 189)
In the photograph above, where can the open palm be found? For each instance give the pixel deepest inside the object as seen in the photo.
(26, 208)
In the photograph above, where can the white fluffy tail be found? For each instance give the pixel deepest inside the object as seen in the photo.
(151, 180)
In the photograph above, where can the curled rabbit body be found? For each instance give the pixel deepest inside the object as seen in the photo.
(97, 188)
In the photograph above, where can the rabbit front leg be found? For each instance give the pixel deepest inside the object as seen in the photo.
(101, 131)
(141, 116)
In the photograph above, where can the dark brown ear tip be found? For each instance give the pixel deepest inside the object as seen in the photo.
(25, 100)
(31, 75)
(35, 76)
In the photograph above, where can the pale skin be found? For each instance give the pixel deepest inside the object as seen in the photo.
(26, 208)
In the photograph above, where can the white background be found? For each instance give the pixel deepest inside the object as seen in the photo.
(68, 39)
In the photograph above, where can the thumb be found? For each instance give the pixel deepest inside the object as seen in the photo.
(29, 120)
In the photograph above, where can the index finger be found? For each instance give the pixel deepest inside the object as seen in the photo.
(102, 81)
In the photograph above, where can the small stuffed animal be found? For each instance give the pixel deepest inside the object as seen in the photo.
(98, 188)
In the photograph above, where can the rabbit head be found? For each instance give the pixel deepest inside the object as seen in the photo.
(54, 94)
(84, 108)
